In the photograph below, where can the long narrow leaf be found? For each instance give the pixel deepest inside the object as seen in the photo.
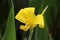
(10, 27)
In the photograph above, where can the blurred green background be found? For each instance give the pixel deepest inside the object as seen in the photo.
(9, 27)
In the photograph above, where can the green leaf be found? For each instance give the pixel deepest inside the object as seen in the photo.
(10, 33)
(41, 34)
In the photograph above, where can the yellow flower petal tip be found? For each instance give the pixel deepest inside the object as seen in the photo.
(25, 28)
(22, 27)
(41, 26)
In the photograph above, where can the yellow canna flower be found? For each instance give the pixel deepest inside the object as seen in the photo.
(28, 17)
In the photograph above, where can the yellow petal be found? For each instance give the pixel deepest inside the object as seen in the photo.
(30, 10)
(19, 17)
(29, 14)
(25, 28)
(26, 13)
(40, 20)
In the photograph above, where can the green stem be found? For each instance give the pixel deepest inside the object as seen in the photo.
(36, 32)
(30, 35)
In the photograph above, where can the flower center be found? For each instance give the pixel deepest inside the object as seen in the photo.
(29, 21)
